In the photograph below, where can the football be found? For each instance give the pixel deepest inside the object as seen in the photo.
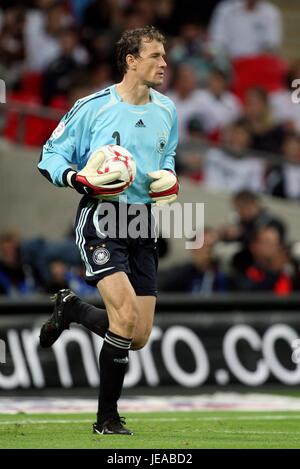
(118, 158)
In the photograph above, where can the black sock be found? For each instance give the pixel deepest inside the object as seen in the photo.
(94, 319)
(113, 363)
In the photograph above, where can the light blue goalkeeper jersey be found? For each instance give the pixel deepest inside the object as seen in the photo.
(148, 131)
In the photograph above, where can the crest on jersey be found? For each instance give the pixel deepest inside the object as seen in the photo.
(101, 256)
(161, 143)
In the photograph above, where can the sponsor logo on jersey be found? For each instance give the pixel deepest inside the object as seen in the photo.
(140, 123)
(59, 130)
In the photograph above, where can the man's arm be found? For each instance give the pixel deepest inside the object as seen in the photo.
(62, 148)
(170, 152)
(69, 146)
(165, 187)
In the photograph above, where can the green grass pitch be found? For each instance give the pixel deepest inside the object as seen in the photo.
(163, 430)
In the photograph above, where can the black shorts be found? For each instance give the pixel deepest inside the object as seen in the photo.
(108, 248)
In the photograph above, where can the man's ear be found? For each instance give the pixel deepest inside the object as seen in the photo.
(131, 62)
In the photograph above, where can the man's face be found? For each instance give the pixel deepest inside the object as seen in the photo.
(266, 246)
(150, 65)
(204, 254)
(247, 210)
(186, 79)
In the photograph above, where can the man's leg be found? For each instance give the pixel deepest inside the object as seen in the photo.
(69, 308)
(120, 301)
(143, 328)
(94, 319)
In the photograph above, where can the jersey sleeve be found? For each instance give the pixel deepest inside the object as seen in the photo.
(63, 148)
(169, 158)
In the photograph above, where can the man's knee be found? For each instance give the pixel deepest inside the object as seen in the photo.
(138, 345)
(140, 341)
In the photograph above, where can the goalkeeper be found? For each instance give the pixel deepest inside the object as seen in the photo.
(134, 115)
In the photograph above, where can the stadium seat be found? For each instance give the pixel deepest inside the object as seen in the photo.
(32, 83)
(25, 129)
(58, 103)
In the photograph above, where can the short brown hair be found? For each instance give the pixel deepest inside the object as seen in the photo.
(131, 41)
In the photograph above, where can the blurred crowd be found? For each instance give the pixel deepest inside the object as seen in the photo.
(262, 259)
(37, 265)
(238, 126)
(239, 129)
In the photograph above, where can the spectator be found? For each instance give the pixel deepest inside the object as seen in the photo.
(218, 107)
(78, 284)
(12, 50)
(285, 109)
(251, 215)
(58, 75)
(147, 10)
(164, 20)
(270, 266)
(191, 154)
(188, 10)
(196, 131)
(185, 96)
(200, 275)
(41, 254)
(99, 16)
(193, 48)
(15, 277)
(62, 276)
(79, 89)
(100, 76)
(78, 8)
(233, 168)
(58, 277)
(42, 28)
(291, 148)
(266, 134)
(246, 27)
(133, 18)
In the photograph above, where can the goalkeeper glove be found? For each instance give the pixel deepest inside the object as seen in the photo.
(164, 188)
(89, 181)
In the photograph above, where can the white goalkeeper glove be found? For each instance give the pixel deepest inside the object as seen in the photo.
(164, 188)
(89, 181)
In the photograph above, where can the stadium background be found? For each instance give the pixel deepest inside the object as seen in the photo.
(233, 322)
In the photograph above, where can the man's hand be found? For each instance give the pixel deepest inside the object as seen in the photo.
(164, 188)
(89, 181)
